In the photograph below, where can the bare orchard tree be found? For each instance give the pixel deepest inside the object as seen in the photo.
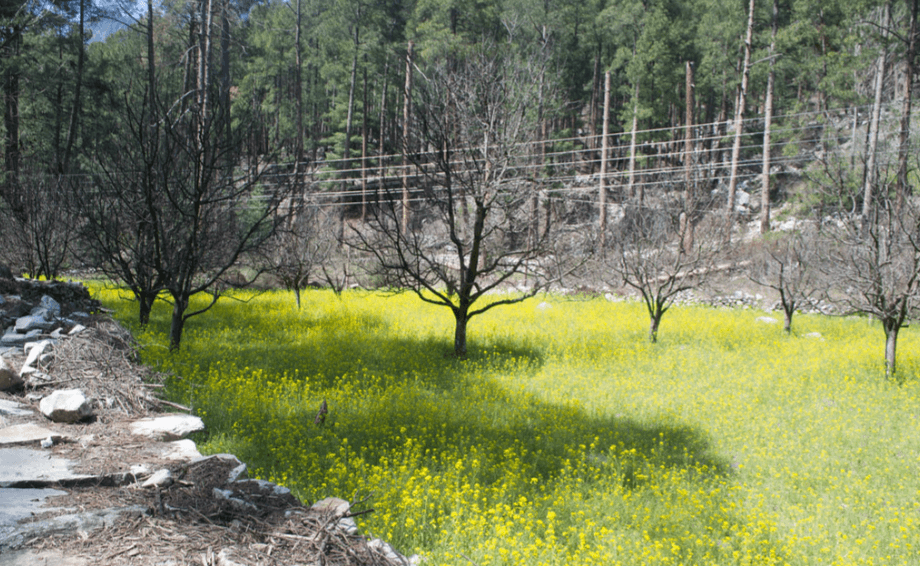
(37, 225)
(874, 266)
(303, 245)
(648, 254)
(170, 211)
(468, 234)
(789, 264)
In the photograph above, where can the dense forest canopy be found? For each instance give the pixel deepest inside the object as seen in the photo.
(314, 77)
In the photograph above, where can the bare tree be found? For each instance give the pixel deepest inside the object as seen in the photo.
(36, 236)
(648, 255)
(186, 213)
(468, 233)
(302, 245)
(788, 264)
(875, 267)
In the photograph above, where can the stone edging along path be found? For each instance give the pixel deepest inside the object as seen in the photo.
(90, 469)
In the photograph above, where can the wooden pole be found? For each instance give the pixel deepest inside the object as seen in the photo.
(602, 185)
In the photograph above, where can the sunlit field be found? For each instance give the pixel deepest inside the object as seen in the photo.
(566, 437)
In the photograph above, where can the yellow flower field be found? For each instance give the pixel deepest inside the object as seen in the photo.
(565, 437)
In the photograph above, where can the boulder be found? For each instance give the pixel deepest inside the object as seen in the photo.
(170, 427)
(12, 338)
(66, 406)
(5, 272)
(39, 321)
(8, 378)
(51, 306)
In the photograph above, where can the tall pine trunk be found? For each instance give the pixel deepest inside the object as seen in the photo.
(904, 137)
(739, 111)
(768, 122)
(876, 116)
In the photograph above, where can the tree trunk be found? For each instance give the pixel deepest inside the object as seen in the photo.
(462, 319)
(298, 97)
(768, 122)
(788, 311)
(346, 154)
(903, 187)
(602, 185)
(297, 295)
(739, 111)
(75, 111)
(180, 303)
(686, 218)
(654, 323)
(224, 96)
(891, 346)
(364, 134)
(876, 117)
(12, 156)
(145, 305)
(407, 109)
(632, 147)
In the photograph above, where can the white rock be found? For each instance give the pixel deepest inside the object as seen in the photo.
(169, 427)
(34, 353)
(48, 442)
(160, 478)
(76, 330)
(140, 469)
(544, 305)
(766, 320)
(815, 335)
(182, 450)
(332, 506)
(66, 406)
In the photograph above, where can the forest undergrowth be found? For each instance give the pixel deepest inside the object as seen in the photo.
(565, 437)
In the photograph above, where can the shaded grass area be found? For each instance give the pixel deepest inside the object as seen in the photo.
(564, 437)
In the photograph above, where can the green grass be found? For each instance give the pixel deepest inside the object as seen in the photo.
(565, 437)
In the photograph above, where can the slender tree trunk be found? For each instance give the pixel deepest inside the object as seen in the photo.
(351, 106)
(768, 122)
(204, 61)
(739, 113)
(11, 150)
(224, 97)
(145, 305)
(891, 347)
(654, 322)
(298, 95)
(631, 183)
(383, 121)
(407, 109)
(903, 187)
(364, 134)
(602, 185)
(592, 120)
(876, 116)
(686, 218)
(75, 110)
(461, 317)
(180, 304)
